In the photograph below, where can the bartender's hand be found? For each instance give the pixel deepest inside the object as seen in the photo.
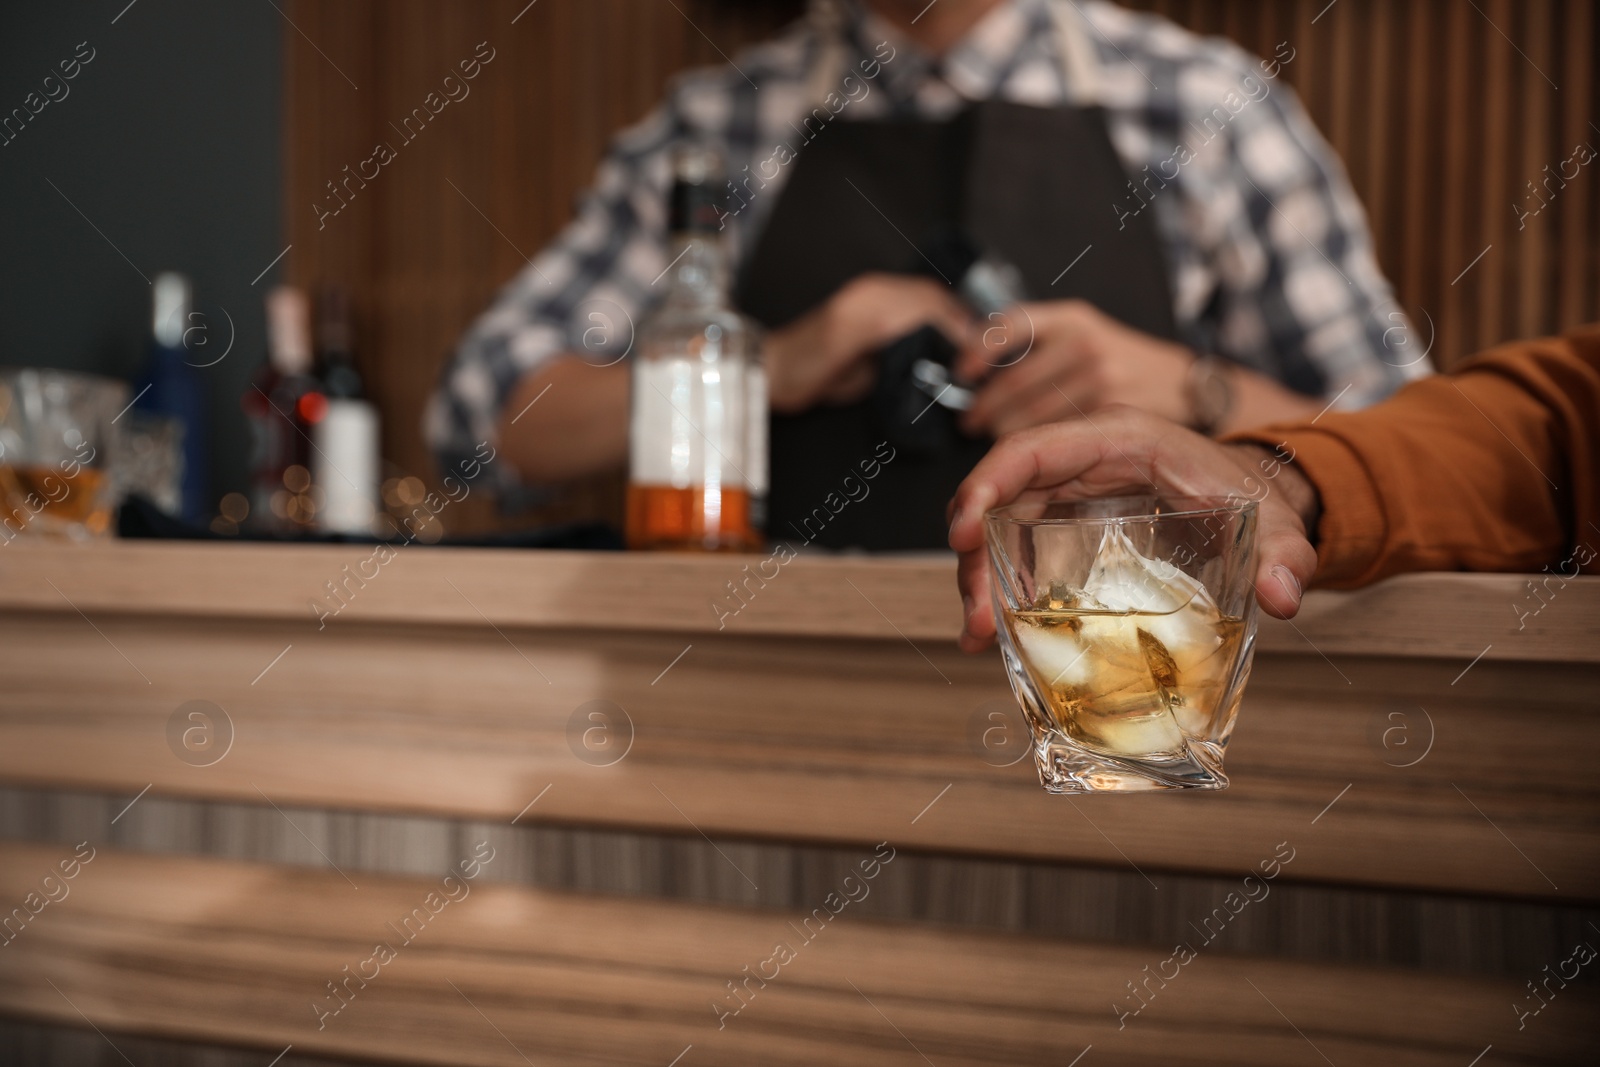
(826, 357)
(1126, 451)
(1070, 360)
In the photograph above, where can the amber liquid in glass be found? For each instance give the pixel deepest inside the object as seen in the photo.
(50, 496)
(692, 519)
(1130, 683)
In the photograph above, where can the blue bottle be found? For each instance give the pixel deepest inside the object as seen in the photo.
(172, 387)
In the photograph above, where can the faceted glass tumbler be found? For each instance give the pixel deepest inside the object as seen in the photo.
(1127, 627)
(55, 453)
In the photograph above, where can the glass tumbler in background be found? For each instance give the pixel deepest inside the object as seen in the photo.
(55, 429)
(1127, 627)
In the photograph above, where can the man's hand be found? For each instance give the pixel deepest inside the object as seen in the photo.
(1123, 451)
(825, 357)
(1070, 361)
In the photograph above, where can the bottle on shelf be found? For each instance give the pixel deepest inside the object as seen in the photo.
(345, 464)
(697, 474)
(171, 387)
(283, 403)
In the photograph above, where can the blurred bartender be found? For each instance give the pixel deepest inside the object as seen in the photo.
(1177, 235)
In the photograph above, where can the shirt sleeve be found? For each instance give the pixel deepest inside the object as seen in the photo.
(1494, 467)
(1299, 288)
(583, 294)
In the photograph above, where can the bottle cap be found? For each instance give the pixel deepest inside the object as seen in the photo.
(696, 205)
(170, 308)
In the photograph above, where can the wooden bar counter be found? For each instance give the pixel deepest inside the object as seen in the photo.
(675, 761)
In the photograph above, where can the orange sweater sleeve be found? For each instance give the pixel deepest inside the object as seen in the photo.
(1493, 467)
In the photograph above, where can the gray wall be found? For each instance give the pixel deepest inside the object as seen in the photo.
(168, 142)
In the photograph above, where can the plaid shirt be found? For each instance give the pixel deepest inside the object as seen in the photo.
(1267, 247)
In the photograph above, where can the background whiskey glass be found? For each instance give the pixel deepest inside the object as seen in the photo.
(55, 436)
(1127, 627)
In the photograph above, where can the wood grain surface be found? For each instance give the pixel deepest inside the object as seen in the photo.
(1392, 767)
(1305, 921)
(218, 951)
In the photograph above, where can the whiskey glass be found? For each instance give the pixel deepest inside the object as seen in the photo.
(1127, 626)
(55, 434)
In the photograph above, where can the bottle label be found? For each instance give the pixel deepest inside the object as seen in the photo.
(691, 425)
(346, 466)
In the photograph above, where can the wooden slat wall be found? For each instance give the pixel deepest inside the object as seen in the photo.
(1443, 110)
(420, 259)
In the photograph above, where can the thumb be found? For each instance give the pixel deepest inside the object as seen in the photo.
(1287, 561)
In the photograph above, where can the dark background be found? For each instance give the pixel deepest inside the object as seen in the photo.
(169, 143)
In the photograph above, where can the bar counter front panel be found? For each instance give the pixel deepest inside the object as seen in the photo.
(680, 763)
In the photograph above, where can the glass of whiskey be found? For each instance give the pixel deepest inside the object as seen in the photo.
(56, 471)
(1126, 626)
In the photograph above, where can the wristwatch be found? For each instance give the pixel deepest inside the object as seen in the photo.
(1210, 389)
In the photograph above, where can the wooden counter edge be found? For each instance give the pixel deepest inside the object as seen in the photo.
(1502, 616)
